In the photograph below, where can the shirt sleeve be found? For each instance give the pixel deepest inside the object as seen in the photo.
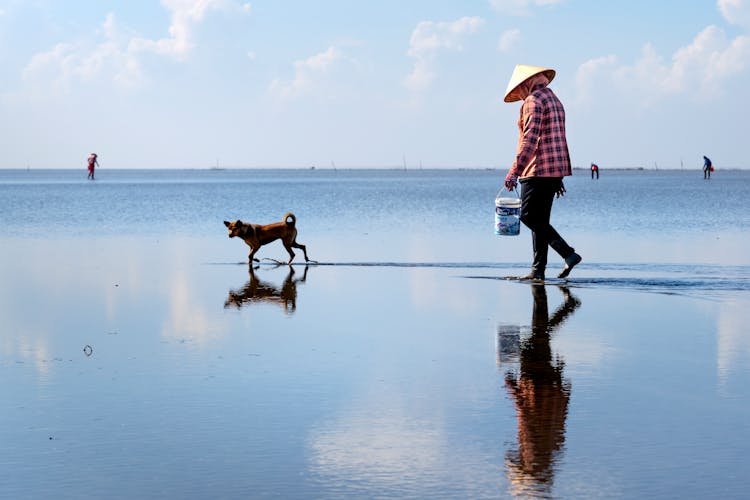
(531, 120)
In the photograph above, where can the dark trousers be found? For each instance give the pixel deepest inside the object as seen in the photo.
(537, 195)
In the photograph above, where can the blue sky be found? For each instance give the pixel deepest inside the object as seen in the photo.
(275, 83)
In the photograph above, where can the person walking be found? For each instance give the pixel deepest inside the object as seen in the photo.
(595, 171)
(542, 160)
(92, 164)
(707, 168)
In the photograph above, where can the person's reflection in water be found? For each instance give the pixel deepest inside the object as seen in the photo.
(541, 396)
(257, 291)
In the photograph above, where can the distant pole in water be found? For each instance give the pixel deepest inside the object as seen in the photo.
(682, 166)
(656, 166)
(333, 165)
(404, 158)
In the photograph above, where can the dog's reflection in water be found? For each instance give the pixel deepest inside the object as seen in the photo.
(257, 291)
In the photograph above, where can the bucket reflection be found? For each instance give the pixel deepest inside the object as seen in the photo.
(540, 392)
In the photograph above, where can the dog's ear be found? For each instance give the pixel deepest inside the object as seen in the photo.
(227, 223)
(238, 222)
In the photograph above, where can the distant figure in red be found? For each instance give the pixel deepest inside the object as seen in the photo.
(594, 170)
(92, 164)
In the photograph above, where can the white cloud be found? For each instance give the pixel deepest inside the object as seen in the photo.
(69, 62)
(588, 72)
(520, 7)
(428, 38)
(736, 11)
(698, 69)
(703, 65)
(118, 56)
(709, 60)
(306, 72)
(185, 15)
(508, 40)
(421, 76)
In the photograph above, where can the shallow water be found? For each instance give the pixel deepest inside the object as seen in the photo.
(402, 366)
(412, 216)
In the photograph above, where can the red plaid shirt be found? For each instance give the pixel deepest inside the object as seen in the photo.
(542, 148)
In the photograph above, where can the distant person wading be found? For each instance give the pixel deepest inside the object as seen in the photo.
(594, 170)
(707, 167)
(93, 163)
(542, 160)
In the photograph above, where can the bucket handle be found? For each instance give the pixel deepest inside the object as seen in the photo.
(515, 189)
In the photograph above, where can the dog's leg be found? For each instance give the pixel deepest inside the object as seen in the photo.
(303, 248)
(251, 255)
(291, 252)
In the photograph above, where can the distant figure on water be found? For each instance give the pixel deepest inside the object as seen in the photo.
(594, 170)
(707, 167)
(93, 163)
(542, 160)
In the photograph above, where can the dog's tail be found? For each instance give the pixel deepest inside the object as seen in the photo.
(290, 215)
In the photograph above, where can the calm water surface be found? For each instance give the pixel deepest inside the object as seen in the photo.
(142, 358)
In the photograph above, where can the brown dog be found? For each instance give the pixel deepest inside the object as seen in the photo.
(256, 235)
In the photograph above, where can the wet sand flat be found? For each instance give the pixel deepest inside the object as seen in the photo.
(145, 367)
(143, 358)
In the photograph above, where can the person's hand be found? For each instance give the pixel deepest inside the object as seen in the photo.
(511, 181)
(561, 189)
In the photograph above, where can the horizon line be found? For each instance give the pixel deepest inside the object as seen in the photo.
(333, 169)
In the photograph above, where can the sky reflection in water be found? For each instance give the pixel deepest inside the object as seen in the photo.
(208, 379)
(403, 366)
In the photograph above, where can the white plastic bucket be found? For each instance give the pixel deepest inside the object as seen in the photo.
(507, 216)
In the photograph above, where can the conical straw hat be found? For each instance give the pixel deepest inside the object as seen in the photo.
(521, 73)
